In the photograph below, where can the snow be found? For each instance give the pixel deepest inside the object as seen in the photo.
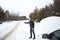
(21, 31)
(50, 24)
(5, 29)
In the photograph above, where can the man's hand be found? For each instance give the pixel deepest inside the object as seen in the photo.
(26, 22)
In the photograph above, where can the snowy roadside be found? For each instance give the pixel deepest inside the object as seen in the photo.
(6, 28)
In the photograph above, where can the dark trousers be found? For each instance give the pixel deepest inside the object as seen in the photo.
(32, 31)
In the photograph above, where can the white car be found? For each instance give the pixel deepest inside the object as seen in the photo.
(51, 28)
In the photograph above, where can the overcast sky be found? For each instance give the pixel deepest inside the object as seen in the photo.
(23, 6)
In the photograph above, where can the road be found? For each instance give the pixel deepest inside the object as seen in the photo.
(21, 32)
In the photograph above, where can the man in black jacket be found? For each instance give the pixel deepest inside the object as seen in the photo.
(31, 28)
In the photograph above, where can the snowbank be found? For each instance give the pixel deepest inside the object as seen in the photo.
(6, 29)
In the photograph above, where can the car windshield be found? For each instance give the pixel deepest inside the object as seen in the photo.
(57, 33)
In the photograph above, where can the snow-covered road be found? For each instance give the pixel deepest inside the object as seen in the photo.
(21, 30)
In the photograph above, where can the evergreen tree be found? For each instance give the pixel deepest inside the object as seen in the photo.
(56, 7)
(2, 14)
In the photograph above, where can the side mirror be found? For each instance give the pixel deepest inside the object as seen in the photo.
(0, 22)
(45, 36)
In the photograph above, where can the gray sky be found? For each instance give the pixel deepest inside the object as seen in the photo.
(23, 6)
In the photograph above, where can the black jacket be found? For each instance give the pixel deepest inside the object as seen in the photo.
(31, 24)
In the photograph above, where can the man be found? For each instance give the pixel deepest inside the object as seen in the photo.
(31, 28)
